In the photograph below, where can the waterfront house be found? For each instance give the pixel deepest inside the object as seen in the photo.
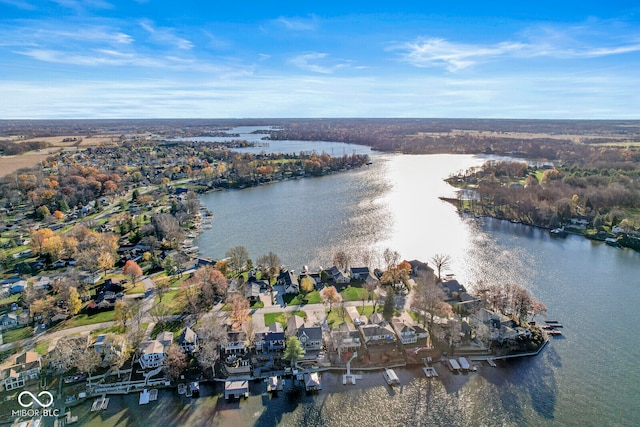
(377, 319)
(188, 340)
(236, 343)
(293, 324)
(359, 273)
(337, 276)
(452, 288)
(252, 292)
(345, 338)
(406, 334)
(287, 279)
(270, 341)
(151, 354)
(419, 267)
(165, 338)
(376, 334)
(27, 367)
(70, 347)
(310, 337)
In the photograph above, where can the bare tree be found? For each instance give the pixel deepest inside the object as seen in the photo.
(441, 261)
(175, 362)
(238, 257)
(211, 335)
(269, 265)
(239, 313)
(342, 260)
(428, 299)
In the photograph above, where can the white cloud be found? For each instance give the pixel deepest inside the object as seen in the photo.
(311, 62)
(20, 4)
(298, 24)
(166, 36)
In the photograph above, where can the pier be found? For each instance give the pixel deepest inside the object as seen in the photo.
(350, 378)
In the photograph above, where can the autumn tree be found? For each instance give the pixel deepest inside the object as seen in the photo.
(106, 261)
(389, 306)
(293, 350)
(307, 284)
(133, 270)
(441, 261)
(237, 258)
(116, 351)
(74, 302)
(239, 311)
(87, 361)
(39, 237)
(159, 312)
(330, 296)
(45, 307)
(175, 362)
(125, 311)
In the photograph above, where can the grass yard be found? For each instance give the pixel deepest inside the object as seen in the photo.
(13, 335)
(367, 310)
(10, 299)
(118, 329)
(337, 316)
(42, 348)
(137, 289)
(172, 300)
(257, 304)
(279, 317)
(300, 299)
(354, 294)
(83, 319)
(175, 326)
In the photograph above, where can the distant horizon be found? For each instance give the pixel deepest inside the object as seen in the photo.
(117, 59)
(322, 118)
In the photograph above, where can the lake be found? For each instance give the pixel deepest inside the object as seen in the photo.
(590, 377)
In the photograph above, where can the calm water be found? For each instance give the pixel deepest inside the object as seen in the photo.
(588, 378)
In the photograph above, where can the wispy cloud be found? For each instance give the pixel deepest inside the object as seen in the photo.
(298, 24)
(541, 41)
(312, 62)
(20, 4)
(453, 56)
(166, 36)
(81, 5)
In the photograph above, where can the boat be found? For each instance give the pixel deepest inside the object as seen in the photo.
(274, 384)
(491, 362)
(181, 389)
(611, 241)
(558, 232)
(195, 389)
(153, 395)
(550, 321)
(554, 333)
(453, 365)
(464, 364)
(391, 377)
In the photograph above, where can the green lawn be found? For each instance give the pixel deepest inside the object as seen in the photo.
(300, 299)
(175, 326)
(42, 348)
(354, 294)
(279, 317)
(137, 289)
(337, 316)
(299, 313)
(367, 310)
(172, 300)
(118, 329)
(83, 319)
(258, 304)
(12, 335)
(9, 300)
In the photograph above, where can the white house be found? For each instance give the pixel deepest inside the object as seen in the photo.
(27, 367)
(151, 354)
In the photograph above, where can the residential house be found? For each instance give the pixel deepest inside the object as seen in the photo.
(452, 288)
(271, 340)
(358, 273)
(345, 338)
(310, 337)
(419, 267)
(338, 276)
(377, 319)
(166, 338)
(152, 354)
(287, 279)
(293, 324)
(110, 350)
(406, 333)
(377, 334)
(8, 321)
(188, 340)
(71, 346)
(27, 367)
(236, 343)
(252, 292)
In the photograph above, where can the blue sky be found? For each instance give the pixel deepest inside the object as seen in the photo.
(154, 59)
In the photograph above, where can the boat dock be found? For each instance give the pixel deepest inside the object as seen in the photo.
(464, 364)
(100, 404)
(350, 378)
(274, 384)
(430, 371)
(312, 381)
(491, 362)
(236, 389)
